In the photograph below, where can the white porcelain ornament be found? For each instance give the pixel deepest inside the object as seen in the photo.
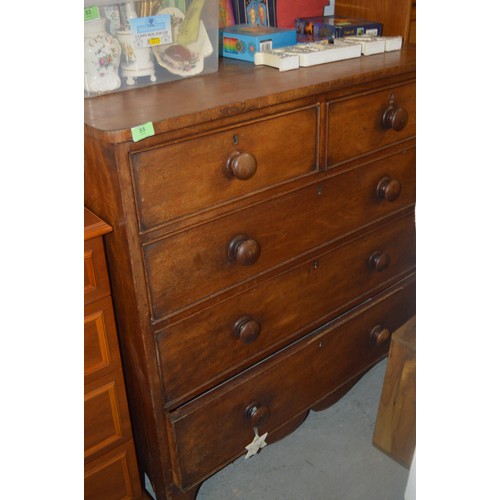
(102, 58)
(136, 61)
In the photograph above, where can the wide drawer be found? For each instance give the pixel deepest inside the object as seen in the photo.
(101, 354)
(202, 350)
(188, 266)
(191, 175)
(96, 282)
(215, 428)
(369, 122)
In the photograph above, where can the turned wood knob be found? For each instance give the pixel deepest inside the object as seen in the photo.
(380, 335)
(394, 118)
(379, 261)
(388, 189)
(244, 250)
(247, 329)
(241, 165)
(257, 414)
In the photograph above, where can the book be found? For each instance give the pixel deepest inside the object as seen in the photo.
(255, 12)
(226, 14)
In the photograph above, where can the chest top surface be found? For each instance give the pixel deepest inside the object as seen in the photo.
(237, 87)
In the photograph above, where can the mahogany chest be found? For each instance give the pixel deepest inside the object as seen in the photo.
(263, 248)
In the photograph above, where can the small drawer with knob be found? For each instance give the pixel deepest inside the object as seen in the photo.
(193, 265)
(216, 428)
(253, 323)
(374, 120)
(200, 173)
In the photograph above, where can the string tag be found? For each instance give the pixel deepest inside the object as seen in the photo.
(257, 443)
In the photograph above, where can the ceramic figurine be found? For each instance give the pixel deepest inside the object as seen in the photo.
(102, 58)
(136, 61)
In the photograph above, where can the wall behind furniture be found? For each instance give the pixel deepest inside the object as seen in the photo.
(288, 10)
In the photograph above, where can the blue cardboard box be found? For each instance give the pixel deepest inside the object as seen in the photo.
(242, 41)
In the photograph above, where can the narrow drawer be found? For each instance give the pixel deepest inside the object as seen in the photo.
(188, 176)
(113, 476)
(102, 353)
(96, 282)
(106, 415)
(202, 350)
(194, 264)
(369, 122)
(215, 428)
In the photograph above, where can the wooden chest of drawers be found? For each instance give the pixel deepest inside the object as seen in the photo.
(263, 248)
(110, 461)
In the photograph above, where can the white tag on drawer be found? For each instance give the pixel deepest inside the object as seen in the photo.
(257, 443)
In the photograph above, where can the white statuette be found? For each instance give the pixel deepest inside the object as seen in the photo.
(136, 61)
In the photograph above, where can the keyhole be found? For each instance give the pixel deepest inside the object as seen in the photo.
(235, 139)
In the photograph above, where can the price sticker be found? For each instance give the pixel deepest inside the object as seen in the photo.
(91, 14)
(151, 31)
(142, 131)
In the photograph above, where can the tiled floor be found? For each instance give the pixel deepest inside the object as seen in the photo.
(330, 457)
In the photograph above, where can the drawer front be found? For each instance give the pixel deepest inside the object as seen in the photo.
(113, 476)
(102, 353)
(357, 126)
(202, 350)
(214, 429)
(194, 264)
(96, 282)
(197, 174)
(106, 415)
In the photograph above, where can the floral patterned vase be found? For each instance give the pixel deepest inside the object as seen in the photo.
(102, 58)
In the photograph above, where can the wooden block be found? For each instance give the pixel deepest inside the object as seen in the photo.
(395, 428)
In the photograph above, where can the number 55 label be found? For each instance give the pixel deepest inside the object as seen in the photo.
(142, 131)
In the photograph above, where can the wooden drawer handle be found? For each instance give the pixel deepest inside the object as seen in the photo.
(394, 118)
(244, 250)
(379, 261)
(388, 189)
(380, 335)
(241, 165)
(247, 329)
(257, 414)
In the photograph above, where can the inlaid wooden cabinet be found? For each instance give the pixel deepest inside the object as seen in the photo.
(110, 461)
(263, 248)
